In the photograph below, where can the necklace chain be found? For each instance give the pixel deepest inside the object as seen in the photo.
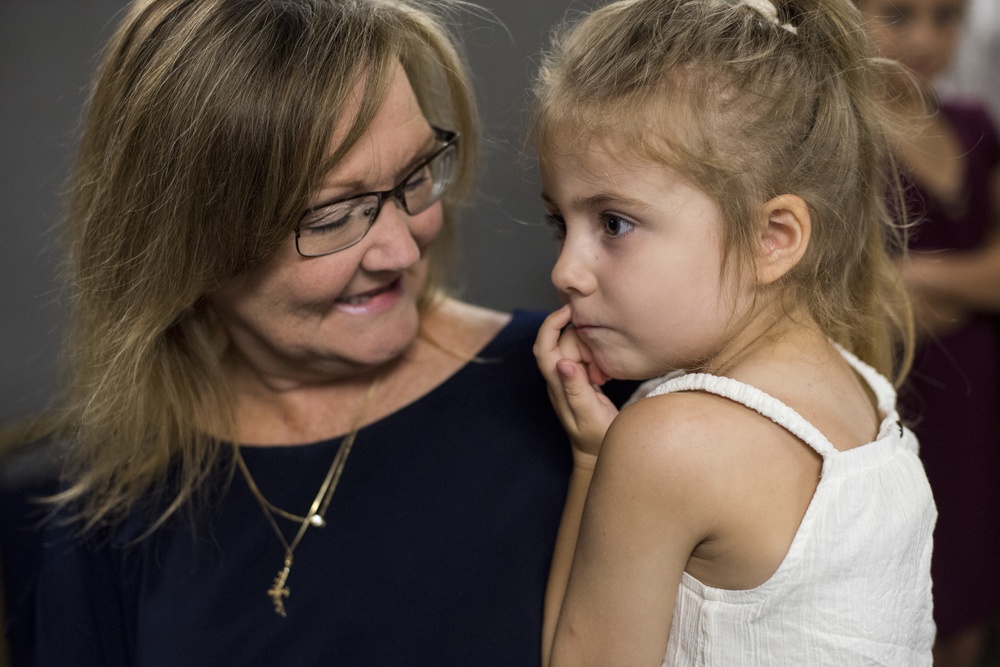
(315, 517)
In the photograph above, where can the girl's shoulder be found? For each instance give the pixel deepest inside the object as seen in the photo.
(692, 438)
(678, 417)
(702, 441)
(706, 466)
(717, 470)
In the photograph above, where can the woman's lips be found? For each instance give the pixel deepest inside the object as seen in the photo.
(373, 301)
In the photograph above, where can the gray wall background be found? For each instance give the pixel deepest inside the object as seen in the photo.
(48, 51)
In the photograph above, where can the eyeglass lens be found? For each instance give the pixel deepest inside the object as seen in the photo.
(341, 224)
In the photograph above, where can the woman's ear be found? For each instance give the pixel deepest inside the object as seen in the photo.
(785, 229)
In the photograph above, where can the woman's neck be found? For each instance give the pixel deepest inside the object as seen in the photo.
(271, 412)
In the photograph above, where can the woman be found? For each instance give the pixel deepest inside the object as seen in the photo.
(284, 443)
(951, 162)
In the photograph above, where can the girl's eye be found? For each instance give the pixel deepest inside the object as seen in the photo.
(616, 226)
(558, 223)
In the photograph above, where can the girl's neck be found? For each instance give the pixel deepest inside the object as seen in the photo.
(777, 331)
(794, 361)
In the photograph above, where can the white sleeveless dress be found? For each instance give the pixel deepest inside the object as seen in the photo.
(854, 587)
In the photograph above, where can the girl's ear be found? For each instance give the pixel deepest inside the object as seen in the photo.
(785, 229)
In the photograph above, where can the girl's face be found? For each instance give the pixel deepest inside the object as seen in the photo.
(302, 319)
(921, 34)
(640, 263)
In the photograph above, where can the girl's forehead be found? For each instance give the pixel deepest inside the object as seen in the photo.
(596, 168)
(663, 126)
(602, 154)
(587, 156)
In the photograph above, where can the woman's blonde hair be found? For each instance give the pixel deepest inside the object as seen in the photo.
(209, 127)
(749, 107)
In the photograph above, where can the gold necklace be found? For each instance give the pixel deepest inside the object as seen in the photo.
(315, 516)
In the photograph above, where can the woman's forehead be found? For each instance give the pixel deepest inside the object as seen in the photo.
(397, 133)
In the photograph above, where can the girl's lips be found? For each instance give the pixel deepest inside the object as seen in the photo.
(588, 330)
(371, 302)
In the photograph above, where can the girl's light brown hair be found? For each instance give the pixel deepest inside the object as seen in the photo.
(747, 109)
(208, 129)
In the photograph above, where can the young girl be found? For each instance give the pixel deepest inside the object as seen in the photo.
(716, 173)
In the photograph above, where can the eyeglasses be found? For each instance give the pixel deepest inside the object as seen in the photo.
(337, 225)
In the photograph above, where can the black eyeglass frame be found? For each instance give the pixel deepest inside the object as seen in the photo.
(397, 192)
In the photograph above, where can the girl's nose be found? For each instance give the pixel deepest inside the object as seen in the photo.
(572, 273)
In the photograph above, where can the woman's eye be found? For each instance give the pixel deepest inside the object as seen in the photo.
(616, 226)
(417, 181)
(346, 217)
(327, 220)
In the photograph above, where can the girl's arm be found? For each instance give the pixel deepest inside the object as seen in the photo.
(647, 510)
(566, 541)
(585, 413)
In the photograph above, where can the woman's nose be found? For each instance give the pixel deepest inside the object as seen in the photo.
(392, 246)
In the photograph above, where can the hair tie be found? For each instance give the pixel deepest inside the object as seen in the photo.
(767, 10)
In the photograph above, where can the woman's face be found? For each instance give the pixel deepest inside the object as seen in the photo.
(921, 34)
(299, 319)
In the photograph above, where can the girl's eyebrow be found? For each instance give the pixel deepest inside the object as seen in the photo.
(601, 199)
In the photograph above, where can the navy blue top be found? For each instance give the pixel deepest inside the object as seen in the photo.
(436, 551)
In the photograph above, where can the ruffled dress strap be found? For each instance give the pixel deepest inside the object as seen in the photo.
(753, 398)
(778, 412)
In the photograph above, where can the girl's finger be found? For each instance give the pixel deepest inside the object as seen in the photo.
(547, 340)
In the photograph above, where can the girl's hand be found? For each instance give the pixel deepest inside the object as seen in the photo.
(574, 381)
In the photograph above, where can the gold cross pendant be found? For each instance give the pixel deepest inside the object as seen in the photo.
(279, 590)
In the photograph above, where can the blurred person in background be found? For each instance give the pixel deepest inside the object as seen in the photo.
(950, 158)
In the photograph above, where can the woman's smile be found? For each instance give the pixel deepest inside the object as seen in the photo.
(372, 301)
